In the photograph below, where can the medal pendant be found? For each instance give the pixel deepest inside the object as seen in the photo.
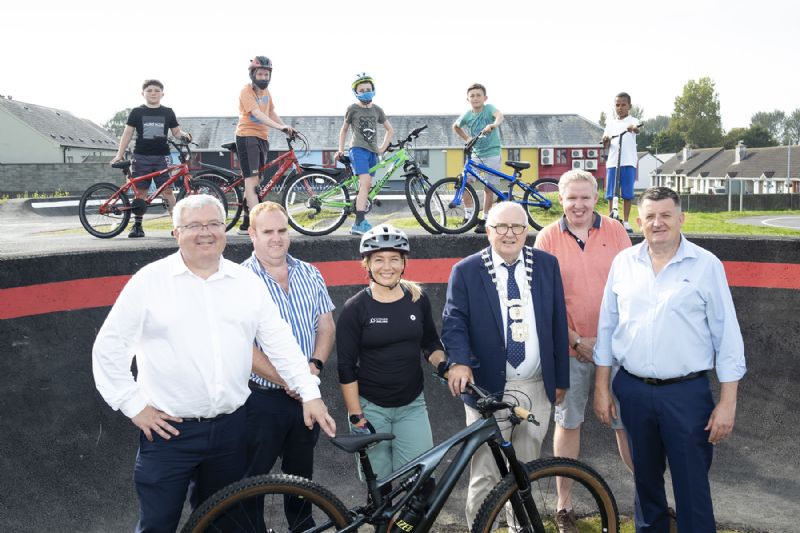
(519, 332)
(516, 313)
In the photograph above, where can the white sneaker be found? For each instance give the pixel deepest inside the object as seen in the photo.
(627, 227)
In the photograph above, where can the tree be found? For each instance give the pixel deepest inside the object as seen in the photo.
(696, 115)
(637, 112)
(733, 136)
(602, 120)
(650, 127)
(116, 124)
(772, 121)
(668, 141)
(791, 128)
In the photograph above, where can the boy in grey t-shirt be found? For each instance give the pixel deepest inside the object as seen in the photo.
(484, 119)
(364, 117)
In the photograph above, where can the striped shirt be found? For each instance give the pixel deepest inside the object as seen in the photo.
(301, 307)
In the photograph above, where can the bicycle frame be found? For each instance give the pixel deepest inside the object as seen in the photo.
(182, 171)
(469, 170)
(396, 161)
(421, 469)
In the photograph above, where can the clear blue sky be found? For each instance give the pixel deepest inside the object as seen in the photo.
(90, 57)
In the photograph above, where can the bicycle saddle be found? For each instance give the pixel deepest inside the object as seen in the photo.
(122, 164)
(518, 165)
(229, 146)
(353, 443)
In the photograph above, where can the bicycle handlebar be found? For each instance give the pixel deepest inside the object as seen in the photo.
(488, 403)
(411, 136)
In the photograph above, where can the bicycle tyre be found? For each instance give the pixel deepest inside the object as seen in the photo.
(201, 186)
(110, 223)
(307, 213)
(593, 497)
(234, 196)
(417, 187)
(226, 507)
(452, 219)
(539, 216)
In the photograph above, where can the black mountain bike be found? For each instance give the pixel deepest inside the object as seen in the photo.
(405, 502)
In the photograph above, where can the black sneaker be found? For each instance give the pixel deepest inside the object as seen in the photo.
(481, 226)
(245, 226)
(136, 232)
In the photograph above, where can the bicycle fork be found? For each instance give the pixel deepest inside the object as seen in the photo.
(522, 503)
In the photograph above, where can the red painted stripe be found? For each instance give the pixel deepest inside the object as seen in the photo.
(87, 293)
(762, 275)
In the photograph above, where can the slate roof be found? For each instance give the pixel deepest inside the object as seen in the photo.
(60, 126)
(698, 158)
(770, 161)
(517, 131)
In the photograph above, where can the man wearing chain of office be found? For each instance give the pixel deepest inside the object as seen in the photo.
(504, 327)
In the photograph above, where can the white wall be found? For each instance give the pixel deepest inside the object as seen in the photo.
(21, 144)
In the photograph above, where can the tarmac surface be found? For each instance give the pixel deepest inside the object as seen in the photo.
(66, 458)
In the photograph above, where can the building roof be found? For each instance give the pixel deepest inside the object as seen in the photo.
(60, 126)
(697, 158)
(770, 161)
(517, 131)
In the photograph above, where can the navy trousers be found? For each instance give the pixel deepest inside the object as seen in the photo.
(206, 456)
(275, 428)
(666, 423)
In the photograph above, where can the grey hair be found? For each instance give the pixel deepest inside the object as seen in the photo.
(502, 205)
(576, 175)
(195, 201)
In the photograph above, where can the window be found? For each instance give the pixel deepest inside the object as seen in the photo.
(561, 156)
(327, 158)
(513, 154)
(422, 157)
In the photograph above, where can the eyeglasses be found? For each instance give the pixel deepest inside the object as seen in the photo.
(196, 227)
(516, 229)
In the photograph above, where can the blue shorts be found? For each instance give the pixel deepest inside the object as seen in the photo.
(362, 160)
(628, 177)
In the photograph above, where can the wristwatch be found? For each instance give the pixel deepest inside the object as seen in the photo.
(317, 363)
(577, 342)
(355, 419)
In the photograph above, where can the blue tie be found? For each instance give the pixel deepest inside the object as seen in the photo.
(515, 351)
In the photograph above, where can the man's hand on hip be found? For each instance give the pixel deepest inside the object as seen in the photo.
(151, 419)
(315, 411)
(457, 378)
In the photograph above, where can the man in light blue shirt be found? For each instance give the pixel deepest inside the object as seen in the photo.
(667, 318)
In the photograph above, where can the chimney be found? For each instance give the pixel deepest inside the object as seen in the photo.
(739, 153)
(687, 152)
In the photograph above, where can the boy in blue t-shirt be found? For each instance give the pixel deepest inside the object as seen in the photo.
(483, 119)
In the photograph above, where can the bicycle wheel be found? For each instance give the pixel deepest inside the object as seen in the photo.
(201, 186)
(592, 500)
(417, 187)
(444, 214)
(541, 203)
(103, 212)
(315, 203)
(257, 504)
(234, 196)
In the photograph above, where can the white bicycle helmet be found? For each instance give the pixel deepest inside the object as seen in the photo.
(384, 237)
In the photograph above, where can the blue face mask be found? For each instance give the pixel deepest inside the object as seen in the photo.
(366, 97)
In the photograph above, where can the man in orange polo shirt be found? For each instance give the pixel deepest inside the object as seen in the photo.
(585, 243)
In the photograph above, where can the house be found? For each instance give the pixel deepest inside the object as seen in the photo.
(552, 144)
(31, 133)
(645, 168)
(711, 170)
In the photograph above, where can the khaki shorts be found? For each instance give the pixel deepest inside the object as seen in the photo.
(570, 414)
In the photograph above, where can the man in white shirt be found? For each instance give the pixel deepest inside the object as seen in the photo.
(191, 319)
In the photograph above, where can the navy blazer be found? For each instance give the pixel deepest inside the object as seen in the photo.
(472, 326)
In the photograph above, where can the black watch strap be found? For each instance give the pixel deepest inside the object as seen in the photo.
(355, 419)
(317, 363)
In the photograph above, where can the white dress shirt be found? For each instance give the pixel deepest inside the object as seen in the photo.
(671, 324)
(193, 341)
(531, 366)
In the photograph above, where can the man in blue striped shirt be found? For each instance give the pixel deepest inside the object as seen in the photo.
(275, 425)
